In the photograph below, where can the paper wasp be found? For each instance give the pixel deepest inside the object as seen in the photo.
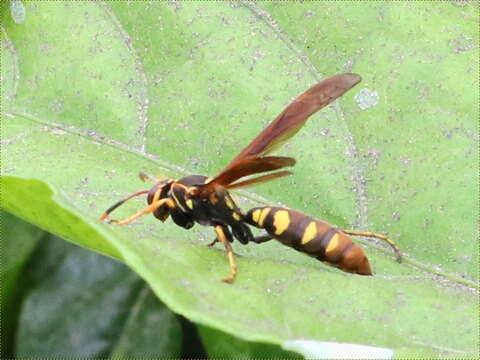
(198, 199)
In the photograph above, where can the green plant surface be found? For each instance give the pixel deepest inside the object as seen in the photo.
(221, 345)
(80, 304)
(101, 91)
(18, 241)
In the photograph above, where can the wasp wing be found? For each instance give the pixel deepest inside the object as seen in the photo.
(247, 167)
(258, 180)
(296, 114)
(252, 159)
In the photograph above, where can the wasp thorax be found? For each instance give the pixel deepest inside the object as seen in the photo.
(159, 190)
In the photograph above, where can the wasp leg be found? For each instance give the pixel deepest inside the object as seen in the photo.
(144, 177)
(213, 242)
(390, 242)
(223, 235)
(147, 210)
(242, 233)
(262, 238)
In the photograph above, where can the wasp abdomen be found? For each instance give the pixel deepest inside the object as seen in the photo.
(310, 236)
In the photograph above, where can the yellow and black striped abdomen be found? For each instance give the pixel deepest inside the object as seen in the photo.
(310, 236)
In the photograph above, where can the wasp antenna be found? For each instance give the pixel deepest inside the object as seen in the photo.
(116, 205)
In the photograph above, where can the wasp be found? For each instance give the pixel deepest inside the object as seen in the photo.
(207, 200)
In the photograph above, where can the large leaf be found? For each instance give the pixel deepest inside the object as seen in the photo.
(18, 241)
(101, 91)
(80, 304)
(220, 345)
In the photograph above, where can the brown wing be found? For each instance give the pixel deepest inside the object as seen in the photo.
(248, 167)
(296, 114)
(252, 161)
(258, 180)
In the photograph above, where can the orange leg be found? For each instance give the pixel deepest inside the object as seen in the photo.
(378, 236)
(156, 203)
(233, 267)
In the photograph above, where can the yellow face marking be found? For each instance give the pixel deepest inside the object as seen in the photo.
(236, 216)
(332, 245)
(178, 202)
(281, 220)
(189, 203)
(256, 215)
(263, 215)
(309, 233)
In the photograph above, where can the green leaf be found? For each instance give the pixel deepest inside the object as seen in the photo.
(101, 91)
(221, 345)
(416, 151)
(34, 202)
(80, 304)
(18, 242)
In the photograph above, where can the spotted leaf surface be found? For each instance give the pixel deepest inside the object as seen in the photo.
(93, 93)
